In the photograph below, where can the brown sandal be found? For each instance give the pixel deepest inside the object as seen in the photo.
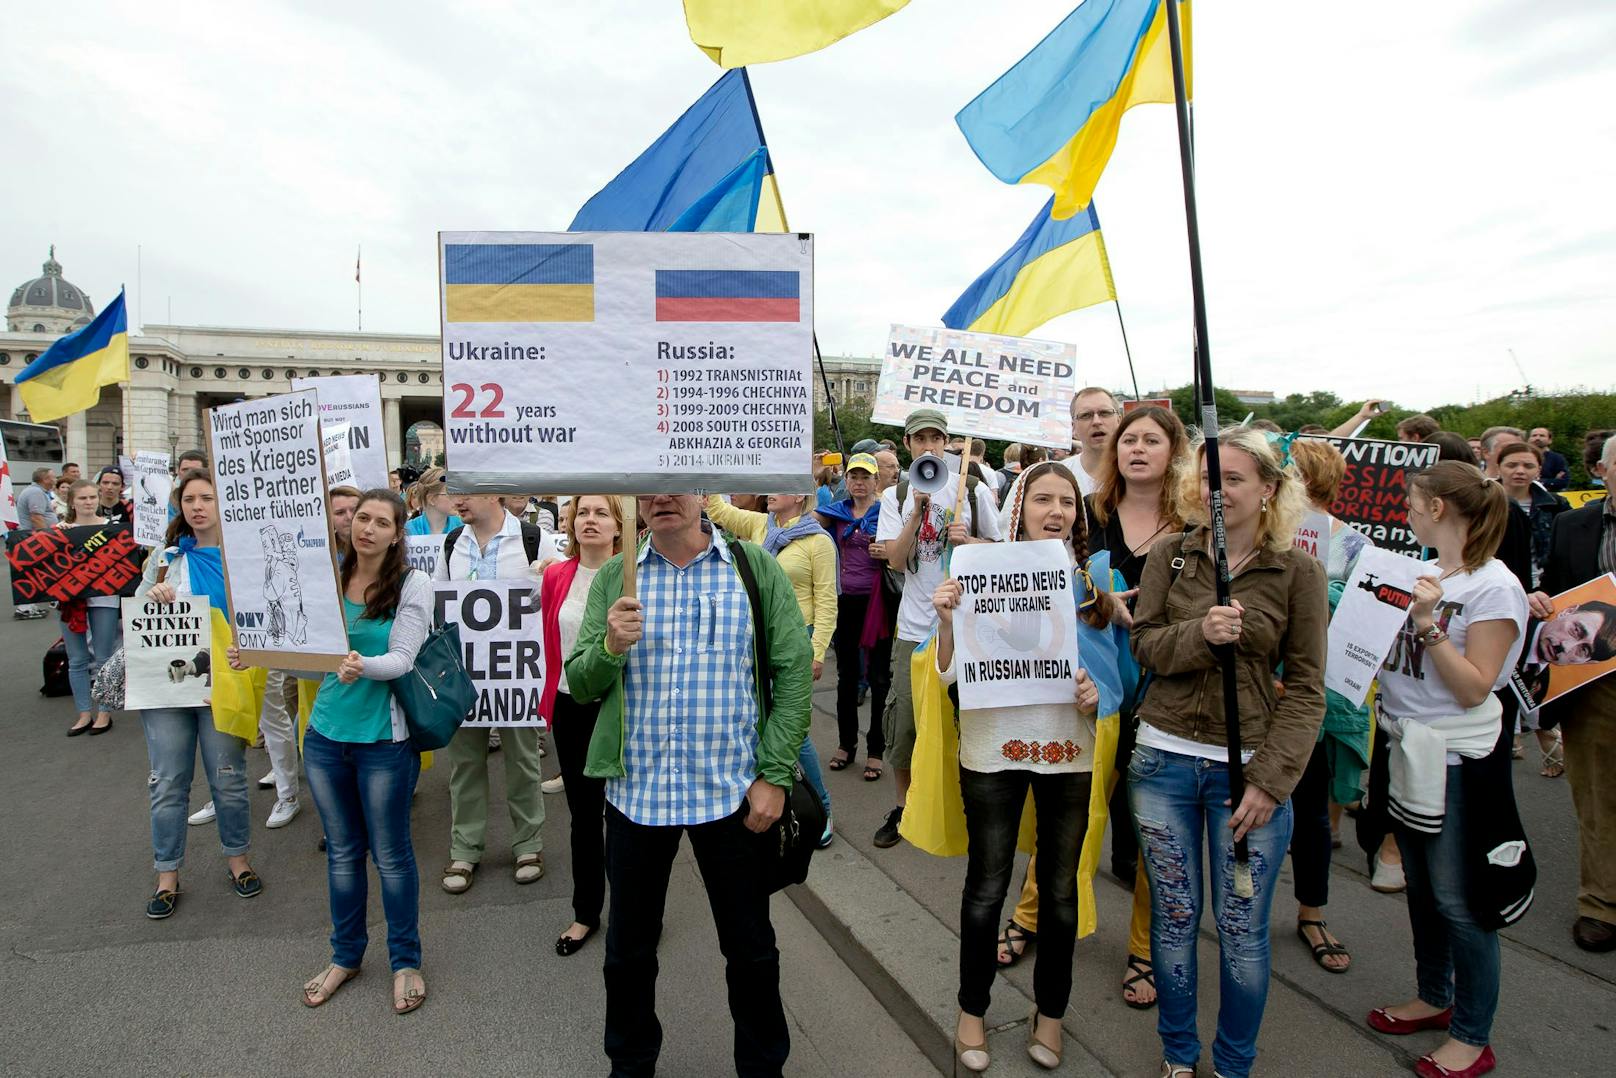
(315, 994)
(413, 996)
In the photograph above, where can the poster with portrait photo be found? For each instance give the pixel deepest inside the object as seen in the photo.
(1574, 646)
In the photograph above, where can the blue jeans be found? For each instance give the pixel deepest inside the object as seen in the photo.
(362, 791)
(1176, 800)
(808, 759)
(173, 736)
(1457, 962)
(86, 651)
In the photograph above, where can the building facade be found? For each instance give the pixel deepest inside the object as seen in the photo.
(851, 378)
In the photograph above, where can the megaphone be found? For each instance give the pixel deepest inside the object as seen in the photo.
(928, 474)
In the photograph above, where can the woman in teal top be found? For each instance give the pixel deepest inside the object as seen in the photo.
(361, 764)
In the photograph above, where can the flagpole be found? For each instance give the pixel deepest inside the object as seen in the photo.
(1207, 415)
(359, 286)
(1125, 349)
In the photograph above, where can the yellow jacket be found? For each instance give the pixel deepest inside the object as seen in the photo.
(810, 565)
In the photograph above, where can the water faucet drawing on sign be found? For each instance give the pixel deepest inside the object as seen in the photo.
(282, 587)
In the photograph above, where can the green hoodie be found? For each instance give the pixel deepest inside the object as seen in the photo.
(593, 673)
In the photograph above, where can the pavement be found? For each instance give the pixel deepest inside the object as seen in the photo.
(869, 946)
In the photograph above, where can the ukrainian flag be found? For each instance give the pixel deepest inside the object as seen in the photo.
(1052, 119)
(687, 162)
(1055, 267)
(519, 282)
(732, 204)
(734, 33)
(69, 376)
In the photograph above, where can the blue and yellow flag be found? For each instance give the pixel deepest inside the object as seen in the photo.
(1055, 267)
(734, 33)
(1052, 119)
(519, 282)
(69, 376)
(687, 162)
(732, 204)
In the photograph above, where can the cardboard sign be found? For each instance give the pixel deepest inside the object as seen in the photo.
(1165, 403)
(357, 400)
(1015, 630)
(499, 628)
(60, 564)
(1571, 648)
(280, 572)
(8, 493)
(1580, 498)
(339, 468)
(423, 552)
(150, 491)
(1365, 623)
(988, 385)
(627, 362)
(1313, 535)
(167, 652)
(1374, 491)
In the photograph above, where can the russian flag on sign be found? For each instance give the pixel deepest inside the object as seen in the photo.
(728, 296)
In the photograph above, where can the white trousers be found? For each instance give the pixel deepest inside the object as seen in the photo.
(278, 724)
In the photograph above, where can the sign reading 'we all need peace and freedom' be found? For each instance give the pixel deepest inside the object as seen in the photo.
(627, 362)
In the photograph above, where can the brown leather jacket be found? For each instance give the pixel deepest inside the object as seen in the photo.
(1287, 616)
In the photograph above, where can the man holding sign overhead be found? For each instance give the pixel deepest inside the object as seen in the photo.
(914, 531)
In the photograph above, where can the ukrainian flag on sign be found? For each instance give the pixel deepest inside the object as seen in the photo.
(519, 282)
(728, 296)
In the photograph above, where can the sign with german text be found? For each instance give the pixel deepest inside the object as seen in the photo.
(1374, 490)
(1015, 630)
(168, 651)
(499, 628)
(1366, 620)
(62, 564)
(149, 491)
(627, 362)
(357, 399)
(988, 385)
(275, 533)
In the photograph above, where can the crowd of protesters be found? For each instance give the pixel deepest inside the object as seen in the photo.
(684, 708)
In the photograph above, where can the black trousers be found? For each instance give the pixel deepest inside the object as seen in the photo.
(993, 804)
(586, 802)
(639, 859)
(1124, 842)
(850, 613)
(1310, 841)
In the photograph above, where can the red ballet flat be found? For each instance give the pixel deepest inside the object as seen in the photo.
(1383, 1021)
(1426, 1067)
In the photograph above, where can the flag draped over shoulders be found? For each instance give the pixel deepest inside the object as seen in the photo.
(1052, 119)
(68, 377)
(734, 33)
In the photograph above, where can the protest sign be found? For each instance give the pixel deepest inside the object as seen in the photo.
(1148, 402)
(627, 362)
(1016, 625)
(8, 493)
(339, 469)
(280, 574)
(167, 650)
(1313, 534)
(1580, 498)
(60, 564)
(356, 399)
(499, 629)
(988, 385)
(1366, 620)
(1571, 648)
(150, 490)
(423, 552)
(1374, 490)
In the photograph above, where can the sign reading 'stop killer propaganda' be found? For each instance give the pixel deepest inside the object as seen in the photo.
(627, 362)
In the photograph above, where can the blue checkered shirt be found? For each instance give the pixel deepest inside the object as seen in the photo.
(690, 706)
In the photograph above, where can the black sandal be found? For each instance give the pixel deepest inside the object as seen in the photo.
(840, 763)
(1142, 971)
(872, 772)
(566, 945)
(1012, 935)
(1323, 949)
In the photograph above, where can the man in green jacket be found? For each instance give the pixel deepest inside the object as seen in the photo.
(685, 745)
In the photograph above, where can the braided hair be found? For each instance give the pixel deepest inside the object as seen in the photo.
(1097, 611)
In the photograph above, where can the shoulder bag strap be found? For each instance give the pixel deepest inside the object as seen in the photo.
(760, 633)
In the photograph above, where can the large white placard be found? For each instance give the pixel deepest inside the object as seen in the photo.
(276, 533)
(499, 629)
(167, 650)
(988, 385)
(1366, 620)
(356, 398)
(1016, 626)
(627, 362)
(149, 490)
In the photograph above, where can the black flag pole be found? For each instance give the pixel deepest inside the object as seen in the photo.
(830, 401)
(1125, 349)
(1207, 414)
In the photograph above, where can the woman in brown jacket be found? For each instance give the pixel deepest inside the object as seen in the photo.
(1178, 779)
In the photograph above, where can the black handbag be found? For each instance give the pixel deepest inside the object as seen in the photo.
(794, 837)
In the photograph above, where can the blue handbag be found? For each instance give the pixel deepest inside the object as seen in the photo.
(437, 694)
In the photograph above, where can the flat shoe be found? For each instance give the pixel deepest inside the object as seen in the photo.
(75, 731)
(100, 729)
(412, 996)
(1383, 1021)
(247, 885)
(1426, 1067)
(314, 993)
(161, 905)
(530, 868)
(566, 945)
(457, 878)
(1039, 1052)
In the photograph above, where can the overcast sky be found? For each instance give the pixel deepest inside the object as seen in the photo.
(1392, 194)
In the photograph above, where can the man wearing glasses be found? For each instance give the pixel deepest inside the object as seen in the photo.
(1094, 419)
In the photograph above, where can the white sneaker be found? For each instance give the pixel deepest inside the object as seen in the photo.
(553, 786)
(1388, 879)
(283, 813)
(267, 782)
(202, 815)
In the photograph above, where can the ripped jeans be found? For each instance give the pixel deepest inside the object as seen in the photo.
(173, 736)
(1177, 800)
